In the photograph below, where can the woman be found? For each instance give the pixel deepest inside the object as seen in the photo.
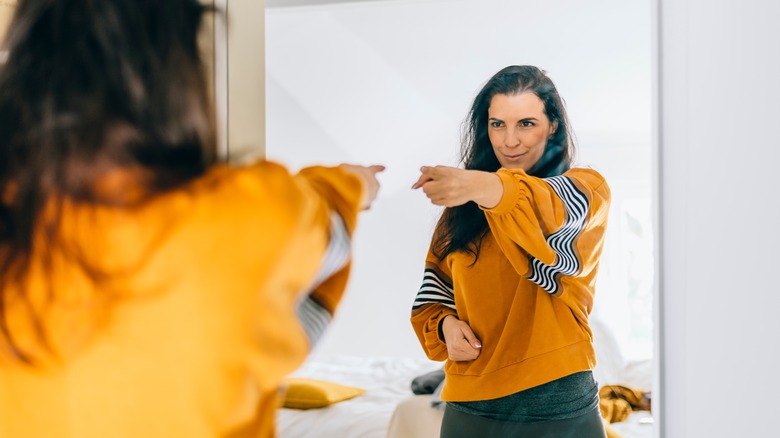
(146, 290)
(510, 274)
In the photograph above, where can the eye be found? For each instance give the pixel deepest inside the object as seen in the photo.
(526, 123)
(496, 124)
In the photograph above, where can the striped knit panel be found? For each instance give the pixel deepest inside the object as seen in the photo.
(576, 205)
(434, 290)
(315, 318)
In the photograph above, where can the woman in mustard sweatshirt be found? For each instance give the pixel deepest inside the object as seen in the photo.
(510, 275)
(146, 290)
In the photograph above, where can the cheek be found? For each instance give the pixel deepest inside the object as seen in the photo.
(537, 137)
(497, 153)
(495, 143)
(539, 141)
(494, 138)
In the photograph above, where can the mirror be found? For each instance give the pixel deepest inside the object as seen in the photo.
(6, 13)
(391, 82)
(234, 64)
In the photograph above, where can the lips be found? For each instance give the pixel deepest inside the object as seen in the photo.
(513, 157)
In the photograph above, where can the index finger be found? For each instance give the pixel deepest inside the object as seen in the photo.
(471, 337)
(426, 175)
(421, 181)
(465, 346)
(376, 168)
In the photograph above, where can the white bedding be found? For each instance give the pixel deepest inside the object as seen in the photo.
(387, 381)
(637, 425)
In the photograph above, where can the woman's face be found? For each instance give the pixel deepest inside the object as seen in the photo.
(518, 129)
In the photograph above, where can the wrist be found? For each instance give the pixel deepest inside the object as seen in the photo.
(441, 327)
(487, 188)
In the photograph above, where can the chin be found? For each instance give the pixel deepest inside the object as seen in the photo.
(515, 166)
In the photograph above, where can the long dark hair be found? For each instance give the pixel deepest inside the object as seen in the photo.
(462, 228)
(90, 86)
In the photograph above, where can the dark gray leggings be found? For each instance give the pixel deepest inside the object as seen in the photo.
(458, 424)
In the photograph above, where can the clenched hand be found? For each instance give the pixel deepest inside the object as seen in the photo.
(462, 344)
(452, 186)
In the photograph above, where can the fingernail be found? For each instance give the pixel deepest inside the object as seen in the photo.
(478, 345)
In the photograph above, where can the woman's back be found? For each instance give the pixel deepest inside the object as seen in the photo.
(194, 323)
(146, 291)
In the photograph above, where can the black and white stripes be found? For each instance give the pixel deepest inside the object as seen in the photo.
(562, 241)
(337, 254)
(315, 318)
(434, 290)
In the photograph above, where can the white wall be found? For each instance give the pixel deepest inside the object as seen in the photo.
(391, 81)
(719, 228)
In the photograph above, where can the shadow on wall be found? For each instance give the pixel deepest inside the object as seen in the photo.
(319, 146)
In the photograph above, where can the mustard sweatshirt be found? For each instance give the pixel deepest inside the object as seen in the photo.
(529, 295)
(215, 292)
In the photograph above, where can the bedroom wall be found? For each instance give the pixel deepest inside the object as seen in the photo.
(719, 152)
(390, 82)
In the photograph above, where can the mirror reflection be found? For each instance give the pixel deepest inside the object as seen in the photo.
(392, 82)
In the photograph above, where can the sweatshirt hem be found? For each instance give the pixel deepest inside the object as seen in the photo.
(520, 376)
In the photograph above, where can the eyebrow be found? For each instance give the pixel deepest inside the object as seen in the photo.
(521, 120)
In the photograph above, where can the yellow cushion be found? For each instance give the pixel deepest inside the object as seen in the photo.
(310, 393)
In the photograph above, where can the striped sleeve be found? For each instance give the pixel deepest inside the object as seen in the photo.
(313, 315)
(576, 206)
(434, 301)
(538, 223)
(434, 289)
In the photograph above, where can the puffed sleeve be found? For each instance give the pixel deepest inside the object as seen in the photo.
(292, 246)
(316, 308)
(434, 301)
(551, 228)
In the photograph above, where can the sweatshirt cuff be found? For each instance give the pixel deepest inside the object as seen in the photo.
(433, 342)
(510, 196)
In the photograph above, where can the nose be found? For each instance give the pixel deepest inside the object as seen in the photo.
(511, 139)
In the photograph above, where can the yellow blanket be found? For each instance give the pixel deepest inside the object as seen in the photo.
(616, 403)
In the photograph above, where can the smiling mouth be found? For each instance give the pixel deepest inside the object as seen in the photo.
(513, 157)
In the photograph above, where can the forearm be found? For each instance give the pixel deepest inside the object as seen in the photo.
(441, 325)
(486, 188)
(340, 188)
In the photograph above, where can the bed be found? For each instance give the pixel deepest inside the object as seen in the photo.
(389, 409)
(386, 381)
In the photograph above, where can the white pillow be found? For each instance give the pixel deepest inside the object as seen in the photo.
(638, 374)
(609, 360)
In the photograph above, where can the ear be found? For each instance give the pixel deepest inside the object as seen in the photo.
(553, 128)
